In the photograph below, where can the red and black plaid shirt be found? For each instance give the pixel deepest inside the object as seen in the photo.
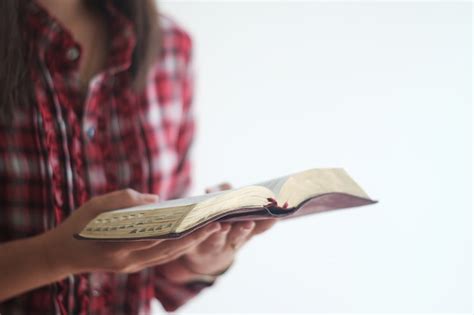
(61, 150)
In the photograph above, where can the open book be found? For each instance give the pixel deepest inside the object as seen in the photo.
(307, 192)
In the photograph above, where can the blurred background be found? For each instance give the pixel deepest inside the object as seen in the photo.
(383, 89)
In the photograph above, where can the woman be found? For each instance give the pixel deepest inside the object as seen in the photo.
(95, 102)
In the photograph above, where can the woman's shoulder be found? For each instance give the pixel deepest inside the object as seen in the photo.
(175, 38)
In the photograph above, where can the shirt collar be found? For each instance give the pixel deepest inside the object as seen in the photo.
(55, 45)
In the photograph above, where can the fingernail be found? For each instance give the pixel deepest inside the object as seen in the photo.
(248, 225)
(224, 186)
(212, 189)
(214, 226)
(151, 197)
(225, 228)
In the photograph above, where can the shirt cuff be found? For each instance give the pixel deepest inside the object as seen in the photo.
(173, 295)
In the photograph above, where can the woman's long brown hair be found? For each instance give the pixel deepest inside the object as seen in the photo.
(15, 58)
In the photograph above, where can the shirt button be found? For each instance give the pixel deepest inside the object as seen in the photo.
(90, 132)
(95, 292)
(72, 53)
(54, 27)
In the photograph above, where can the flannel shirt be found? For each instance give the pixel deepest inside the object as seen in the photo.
(61, 150)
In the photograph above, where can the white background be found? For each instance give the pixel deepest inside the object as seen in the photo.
(381, 89)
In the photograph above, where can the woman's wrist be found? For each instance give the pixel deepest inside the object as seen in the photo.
(214, 274)
(54, 258)
(179, 272)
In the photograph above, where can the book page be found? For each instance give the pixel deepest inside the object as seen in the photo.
(181, 202)
(145, 220)
(304, 185)
(275, 184)
(246, 197)
(135, 224)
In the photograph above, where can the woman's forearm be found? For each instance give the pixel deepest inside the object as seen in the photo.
(24, 265)
(33, 262)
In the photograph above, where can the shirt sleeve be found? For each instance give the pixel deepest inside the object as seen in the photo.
(172, 295)
(181, 176)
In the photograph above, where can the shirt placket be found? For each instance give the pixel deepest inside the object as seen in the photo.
(68, 187)
(61, 166)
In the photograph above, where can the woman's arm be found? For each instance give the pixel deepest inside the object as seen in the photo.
(25, 266)
(30, 263)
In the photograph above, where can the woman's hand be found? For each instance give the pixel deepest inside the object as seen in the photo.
(65, 253)
(52, 256)
(217, 252)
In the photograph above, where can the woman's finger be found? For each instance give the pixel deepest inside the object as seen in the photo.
(225, 186)
(216, 242)
(128, 246)
(112, 201)
(263, 225)
(239, 233)
(172, 249)
(220, 187)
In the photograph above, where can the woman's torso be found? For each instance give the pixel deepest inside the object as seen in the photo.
(60, 151)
